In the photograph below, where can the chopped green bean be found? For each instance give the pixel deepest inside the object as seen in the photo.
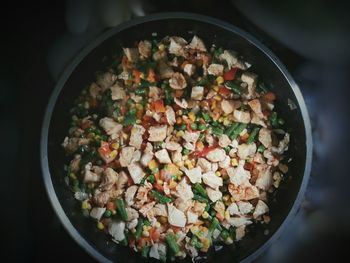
(171, 240)
(200, 190)
(234, 87)
(139, 229)
(200, 198)
(161, 198)
(253, 135)
(121, 209)
(237, 130)
(145, 250)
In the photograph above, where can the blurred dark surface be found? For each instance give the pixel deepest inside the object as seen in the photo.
(39, 39)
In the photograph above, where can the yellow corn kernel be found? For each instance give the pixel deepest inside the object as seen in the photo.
(125, 136)
(217, 97)
(216, 88)
(139, 106)
(195, 229)
(100, 225)
(227, 215)
(200, 146)
(205, 215)
(180, 134)
(157, 224)
(145, 233)
(160, 182)
(213, 105)
(234, 162)
(192, 116)
(138, 121)
(142, 75)
(206, 244)
(152, 164)
(178, 120)
(113, 154)
(128, 82)
(221, 119)
(120, 119)
(161, 47)
(163, 220)
(226, 122)
(85, 205)
(220, 80)
(227, 203)
(226, 197)
(217, 173)
(180, 164)
(115, 146)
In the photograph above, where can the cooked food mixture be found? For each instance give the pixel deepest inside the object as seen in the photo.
(175, 147)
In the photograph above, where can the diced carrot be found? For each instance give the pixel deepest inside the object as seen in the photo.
(104, 149)
(111, 206)
(219, 217)
(249, 166)
(224, 91)
(154, 234)
(178, 93)
(172, 184)
(269, 96)
(152, 77)
(184, 64)
(159, 187)
(158, 106)
(137, 76)
(230, 75)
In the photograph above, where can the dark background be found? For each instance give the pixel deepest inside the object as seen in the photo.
(40, 38)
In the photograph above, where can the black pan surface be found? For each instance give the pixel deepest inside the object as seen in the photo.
(99, 55)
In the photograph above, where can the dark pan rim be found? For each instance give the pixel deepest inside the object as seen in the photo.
(164, 16)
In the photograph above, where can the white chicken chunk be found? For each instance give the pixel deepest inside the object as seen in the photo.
(191, 137)
(145, 48)
(264, 180)
(189, 69)
(216, 155)
(244, 207)
(239, 176)
(181, 103)
(110, 177)
(163, 156)
(256, 120)
(177, 45)
(164, 70)
(213, 195)
(282, 145)
(97, 212)
(212, 180)
(146, 158)
(136, 172)
(131, 213)
(176, 217)
(136, 136)
(240, 232)
(130, 194)
(195, 174)
(230, 57)
(116, 230)
(177, 81)
(176, 156)
(197, 44)
(126, 156)
(239, 221)
(184, 190)
(224, 141)
(255, 105)
(191, 217)
(117, 92)
(173, 146)
(225, 163)
(132, 54)
(94, 90)
(251, 80)
(241, 116)
(233, 209)
(153, 253)
(157, 133)
(170, 115)
(215, 69)
(265, 137)
(111, 127)
(197, 93)
(106, 80)
(228, 106)
(204, 164)
(90, 176)
(246, 150)
(260, 209)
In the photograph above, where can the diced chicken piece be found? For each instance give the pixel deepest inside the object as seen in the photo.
(135, 98)
(195, 175)
(209, 139)
(173, 146)
(183, 204)
(246, 150)
(153, 253)
(213, 195)
(240, 232)
(214, 167)
(177, 81)
(136, 156)
(176, 217)
(282, 145)
(198, 207)
(216, 155)
(265, 137)
(212, 180)
(136, 172)
(145, 48)
(126, 156)
(216, 69)
(260, 209)
(130, 194)
(132, 54)
(239, 176)
(132, 213)
(117, 92)
(111, 127)
(264, 180)
(74, 165)
(177, 45)
(197, 44)
(181, 103)
(176, 156)
(154, 92)
(255, 105)
(184, 190)
(157, 133)
(124, 75)
(116, 230)
(90, 176)
(219, 207)
(136, 136)
(141, 195)
(211, 94)
(97, 212)
(233, 209)
(94, 90)
(244, 207)
(189, 69)
(243, 193)
(241, 116)
(271, 159)
(256, 120)
(146, 158)
(228, 106)
(258, 158)
(159, 210)
(191, 217)
(132, 224)
(239, 221)
(106, 80)
(147, 208)
(225, 163)
(197, 93)
(163, 156)
(109, 179)
(224, 141)
(159, 55)
(191, 137)
(122, 180)
(230, 57)
(250, 79)
(164, 70)
(204, 165)
(170, 115)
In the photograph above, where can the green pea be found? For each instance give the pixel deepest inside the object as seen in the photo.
(201, 126)
(194, 126)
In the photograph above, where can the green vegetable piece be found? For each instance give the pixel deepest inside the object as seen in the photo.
(234, 87)
(161, 198)
(200, 190)
(200, 198)
(141, 91)
(180, 127)
(129, 118)
(214, 224)
(196, 243)
(252, 135)
(230, 129)
(139, 229)
(224, 234)
(107, 213)
(206, 116)
(171, 240)
(217, 131)
(121, 209)
(261, 148)
(145, 250)
(194, 126)
(151, 179)
(186, 151)
(201, 126)
(237, 131)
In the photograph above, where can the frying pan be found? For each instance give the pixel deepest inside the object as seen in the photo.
(99, 54)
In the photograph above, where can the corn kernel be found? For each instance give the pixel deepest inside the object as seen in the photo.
(142, 75)
(234, 162)
(221, 119)
(205, 215)
(206, 244)
(120, 119)
(227, 203)
(157, 224)
(180, 134)
(226, 197)
(217, 97)
(138, 121)
(192, 116)
(145, 233)
(85, 205)
(113, 154)
(213, 105)
(227, 215)
(178, 120)
(226, 122)
(180, 164)
(161, 47)
(233, 199)
(160, 182)
(216, 88)
(115, 146)
(139, 106)
(125, 136)
(152, 164)
(220, 80)
(217, 173)
(163, 219)
(200, 146)
(100, 225)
